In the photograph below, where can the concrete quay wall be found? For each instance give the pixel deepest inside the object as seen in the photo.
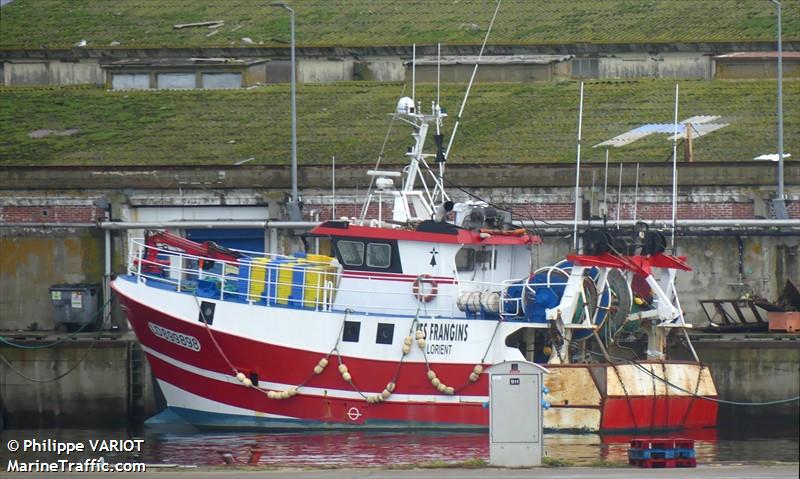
(107, 383)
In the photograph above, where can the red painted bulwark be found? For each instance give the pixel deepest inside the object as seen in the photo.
(663, 412)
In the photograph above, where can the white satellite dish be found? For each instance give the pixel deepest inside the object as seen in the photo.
(771, 157)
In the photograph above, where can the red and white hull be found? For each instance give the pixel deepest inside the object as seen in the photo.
(195, 364)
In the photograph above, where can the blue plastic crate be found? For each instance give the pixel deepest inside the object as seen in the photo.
(661, 453)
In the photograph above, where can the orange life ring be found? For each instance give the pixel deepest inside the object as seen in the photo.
(415, 288)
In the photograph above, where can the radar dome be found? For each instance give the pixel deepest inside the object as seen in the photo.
(405, 105)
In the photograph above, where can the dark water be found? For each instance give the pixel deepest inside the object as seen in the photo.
(384, 448)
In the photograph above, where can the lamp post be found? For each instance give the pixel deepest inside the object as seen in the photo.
(779, 204)
(294, 107)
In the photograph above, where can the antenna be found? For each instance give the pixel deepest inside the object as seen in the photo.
(414, 75)
(333, 187)
(675, 166)
(605, 190)
(437, 110)
(471, 80)
(438, 73)
(619, 194)
(578, 173)
(636, 193)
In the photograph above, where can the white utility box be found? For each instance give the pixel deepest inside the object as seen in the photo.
(515, 414)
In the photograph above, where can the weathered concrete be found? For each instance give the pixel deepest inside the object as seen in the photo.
(522, 175)
(656, 65)
(109, 386)
(32, 261)
(324, 70)
(53, 72)
(583, 48)
(753, 368)
(385, 63)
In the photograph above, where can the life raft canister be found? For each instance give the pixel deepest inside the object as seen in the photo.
(418, 290)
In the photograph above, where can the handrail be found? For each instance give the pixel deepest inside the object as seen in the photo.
(179, 272)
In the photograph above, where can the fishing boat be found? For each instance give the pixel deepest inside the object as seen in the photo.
(396, 327)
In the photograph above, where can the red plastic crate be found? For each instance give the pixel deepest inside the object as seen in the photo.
(663, 463)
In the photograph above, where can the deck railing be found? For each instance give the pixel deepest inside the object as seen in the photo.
(297, 282)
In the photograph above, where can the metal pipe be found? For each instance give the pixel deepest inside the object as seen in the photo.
(605, 189)
(667, 223)
(129, 225)
(106, 280)
(675, 168)
(619, 193)
(414, 76)
(273, 241)
(578, 203)
(294, 102)
(636, 193)
(780, 209)
(294, 114)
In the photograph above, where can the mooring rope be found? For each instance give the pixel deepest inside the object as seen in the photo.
(50, 345)
(72, 334)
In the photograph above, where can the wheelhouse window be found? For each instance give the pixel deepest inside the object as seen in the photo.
(465, 259)
(368, 255)
(379, 255)
(485, 258)
(468, 258)
(352, 252)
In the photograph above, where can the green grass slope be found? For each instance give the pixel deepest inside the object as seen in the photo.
(515, 123)
(141, 23)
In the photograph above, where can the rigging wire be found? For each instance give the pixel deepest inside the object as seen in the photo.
(471, 80)
(535, 229)
(378, 162)
(639, 366)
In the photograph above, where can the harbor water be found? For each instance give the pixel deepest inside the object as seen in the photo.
(363, 449)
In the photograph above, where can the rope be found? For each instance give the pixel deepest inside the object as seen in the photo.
(717, 400)
(211, 335)
(56, 378)
(627, 396)
(62, 339)
(694, 394)
(700, 396)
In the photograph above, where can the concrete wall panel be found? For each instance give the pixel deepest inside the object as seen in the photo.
(324, 71)
(97, 393)
(255, 74)
(32, 261)
(278, 71)
(667, 65)
(486, 73)
(76, 73)
(26, 74)
(385, 70)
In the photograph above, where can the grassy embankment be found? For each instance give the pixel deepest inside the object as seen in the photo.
(516, 123)
(62, 23)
